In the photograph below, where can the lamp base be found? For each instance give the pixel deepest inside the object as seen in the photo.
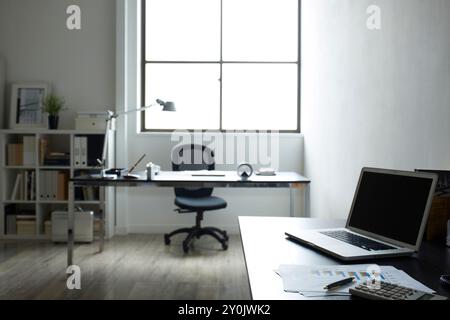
(104, 175)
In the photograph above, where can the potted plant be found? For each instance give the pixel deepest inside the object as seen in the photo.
(53, 104)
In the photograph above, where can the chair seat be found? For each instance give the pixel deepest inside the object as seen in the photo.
(203, 204)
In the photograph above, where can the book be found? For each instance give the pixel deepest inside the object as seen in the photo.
(19, 155)
(11, 224)
(11, 155)
(57, 159)
(83, 151)
(43, 146)
(15, 154)
(15, 192)
(43, 185)
(29, 150)
(21, 195)
(53, 180)
(25, 185)
(62, 187)
(33, 185)
(90, 193)
(77, 151)
(23, 217)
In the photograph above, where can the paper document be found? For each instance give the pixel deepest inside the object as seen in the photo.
(207, 173)
(311, 280)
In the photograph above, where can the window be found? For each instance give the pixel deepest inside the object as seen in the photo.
(227, 64)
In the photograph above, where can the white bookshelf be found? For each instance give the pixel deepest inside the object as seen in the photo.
(59, 141)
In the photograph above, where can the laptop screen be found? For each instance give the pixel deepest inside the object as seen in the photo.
(391, 205)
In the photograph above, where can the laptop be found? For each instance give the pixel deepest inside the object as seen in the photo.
(387, 217)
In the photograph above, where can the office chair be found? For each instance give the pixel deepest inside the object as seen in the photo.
(196, 200)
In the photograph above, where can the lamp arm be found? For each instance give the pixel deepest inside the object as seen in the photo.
(115, 115)
(110, 116)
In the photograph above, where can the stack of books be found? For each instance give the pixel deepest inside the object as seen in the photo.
(24, 188)
(86, 150)
(22, 154)
(53, 186)
(20, 221)
(26, 225)
(57, 159)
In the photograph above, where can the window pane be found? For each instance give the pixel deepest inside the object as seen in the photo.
(183, 30)
(260, 30)
(260, 96)
(195, 90)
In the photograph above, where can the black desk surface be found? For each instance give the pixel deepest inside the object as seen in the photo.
(266, 247)
(191, 179)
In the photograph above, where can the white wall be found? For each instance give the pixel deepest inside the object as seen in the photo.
(372, 98)
(80, 65)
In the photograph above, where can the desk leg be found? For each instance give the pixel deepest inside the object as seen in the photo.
(102, 218)
(70, 225)
(291, 202)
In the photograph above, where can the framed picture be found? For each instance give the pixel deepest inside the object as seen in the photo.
(26, 110)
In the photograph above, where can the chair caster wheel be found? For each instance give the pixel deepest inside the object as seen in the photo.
(185, 248)
(166, 239)
(224, 246)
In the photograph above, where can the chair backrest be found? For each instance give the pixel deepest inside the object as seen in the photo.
(193, 157)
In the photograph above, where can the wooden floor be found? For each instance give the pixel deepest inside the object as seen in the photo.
(131, 267)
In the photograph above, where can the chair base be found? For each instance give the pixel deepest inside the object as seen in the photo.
(197, 232)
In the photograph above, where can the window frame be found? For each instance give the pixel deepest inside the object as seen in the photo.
(221, 62)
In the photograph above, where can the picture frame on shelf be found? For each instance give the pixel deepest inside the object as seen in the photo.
(26, 106)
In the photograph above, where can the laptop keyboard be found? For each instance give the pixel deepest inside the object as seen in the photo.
(353, 239)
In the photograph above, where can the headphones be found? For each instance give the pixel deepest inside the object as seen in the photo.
(445, 281)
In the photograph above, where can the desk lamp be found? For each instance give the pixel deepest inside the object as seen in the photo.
(111, 115)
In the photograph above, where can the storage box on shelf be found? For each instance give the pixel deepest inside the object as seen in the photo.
(34, 172)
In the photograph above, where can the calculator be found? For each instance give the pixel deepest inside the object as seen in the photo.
(390, 291)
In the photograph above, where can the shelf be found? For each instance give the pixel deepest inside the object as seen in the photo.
(16, 237)
(58, 140)
(87, 202)
(46, 131)
(53, 202)
(19, 202)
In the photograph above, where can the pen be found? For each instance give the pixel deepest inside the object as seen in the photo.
(339, 283)
(133, 167)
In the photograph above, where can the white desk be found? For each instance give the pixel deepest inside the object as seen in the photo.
(175, 179)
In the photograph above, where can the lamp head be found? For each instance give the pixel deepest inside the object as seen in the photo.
(167, 106)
